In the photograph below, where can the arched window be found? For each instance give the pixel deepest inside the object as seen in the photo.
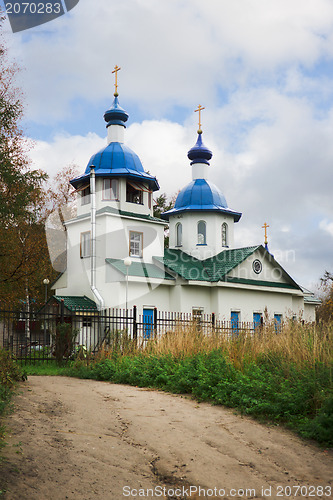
(201, 232)
(179, 234)
(225, 234)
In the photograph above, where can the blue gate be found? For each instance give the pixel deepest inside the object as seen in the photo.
(148, 323)
(257, 321)
(278, 323)
(234, 322)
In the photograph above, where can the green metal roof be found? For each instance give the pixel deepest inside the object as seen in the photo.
(216, 268)
(211, 269)
(140, 269)
(311, 299)
(221, 264)
(128, 214)
(75, 302)
(184, 265)
(111, 210)
(275, 284)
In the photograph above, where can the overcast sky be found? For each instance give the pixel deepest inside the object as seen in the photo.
(262, 69)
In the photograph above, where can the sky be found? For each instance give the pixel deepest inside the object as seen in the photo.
(263, 70)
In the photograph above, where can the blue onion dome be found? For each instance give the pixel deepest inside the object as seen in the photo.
(117, 160)
(201, 195)
(116, 115)
(199, 153)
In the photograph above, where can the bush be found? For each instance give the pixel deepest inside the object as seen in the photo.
(10, 374)
(270, 388)
(63, 341)
(284, 378)
(321, 427)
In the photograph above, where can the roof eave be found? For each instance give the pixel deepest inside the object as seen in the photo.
(152, 181)
(175, 211)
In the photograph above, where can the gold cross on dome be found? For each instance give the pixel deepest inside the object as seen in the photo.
(115, 71)
(265, 226)
(200, 108)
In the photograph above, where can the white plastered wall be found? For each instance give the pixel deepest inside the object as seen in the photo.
(270, 272)
(189, 223)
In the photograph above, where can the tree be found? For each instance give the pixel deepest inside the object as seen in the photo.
(63, 207)
(162, 204)
(23, 203)
(17, 182)
(63, 195)
(325, 310)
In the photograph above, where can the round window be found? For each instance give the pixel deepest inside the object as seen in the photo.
(257, 266)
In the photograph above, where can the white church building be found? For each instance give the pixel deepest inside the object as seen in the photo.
(116, 254)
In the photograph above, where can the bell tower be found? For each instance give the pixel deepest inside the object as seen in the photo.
(201, 223)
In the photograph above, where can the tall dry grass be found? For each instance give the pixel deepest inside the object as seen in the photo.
(297, 342)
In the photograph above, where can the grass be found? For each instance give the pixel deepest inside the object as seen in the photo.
(284, 378)
(50, 368)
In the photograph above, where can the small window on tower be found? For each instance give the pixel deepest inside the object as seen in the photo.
(85, 245)
(202, 232)
(225, 234)
(133, 194)
(179, 234)
(85, 196)
(135, 244)
(110, 189)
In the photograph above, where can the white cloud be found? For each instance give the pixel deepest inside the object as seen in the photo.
(64, 150)
(261, 69)
(327, 226)
(171, 52)
(162, 147)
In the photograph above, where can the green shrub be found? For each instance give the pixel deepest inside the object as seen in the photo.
(320, 427)
(64, 339)
(270, 388)
(10, 374)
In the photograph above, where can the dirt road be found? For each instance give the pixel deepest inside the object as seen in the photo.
(81, 439)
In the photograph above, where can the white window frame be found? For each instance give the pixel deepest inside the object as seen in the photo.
(204, 235)
(85, 244)
(179, 234)
(85, 196)
(135, 244)
(224, 235)
(111, 192)
(197, 313)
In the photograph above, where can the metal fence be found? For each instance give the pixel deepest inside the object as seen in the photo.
(32, 336)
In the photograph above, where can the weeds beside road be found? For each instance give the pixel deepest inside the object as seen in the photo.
(284, 378)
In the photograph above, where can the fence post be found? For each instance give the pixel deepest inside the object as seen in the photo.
(213, 320)
(155, 321)
(135, 326)
(62, 311)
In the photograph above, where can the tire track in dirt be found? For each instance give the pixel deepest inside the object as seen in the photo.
(82, 439)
